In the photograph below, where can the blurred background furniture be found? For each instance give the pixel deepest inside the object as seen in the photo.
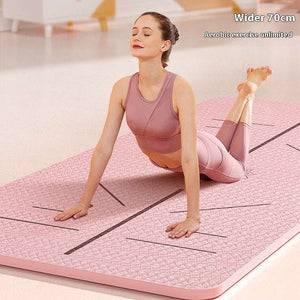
(50, 12)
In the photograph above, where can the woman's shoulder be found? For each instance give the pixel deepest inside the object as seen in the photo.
(122, 86)
(181, 84)
(180, 80)
(123, 82)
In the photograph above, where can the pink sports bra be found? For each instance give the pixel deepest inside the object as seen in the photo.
(155, 124)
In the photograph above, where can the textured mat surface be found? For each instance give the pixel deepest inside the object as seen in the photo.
(122, 241)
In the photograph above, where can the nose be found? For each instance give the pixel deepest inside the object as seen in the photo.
(136, 41)
(137, 37)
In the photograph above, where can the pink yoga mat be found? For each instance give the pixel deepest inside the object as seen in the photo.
(122, 241)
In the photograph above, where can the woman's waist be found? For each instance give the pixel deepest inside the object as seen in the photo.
(169, 160)
(159, 145)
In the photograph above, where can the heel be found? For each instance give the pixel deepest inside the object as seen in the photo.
(249, 87)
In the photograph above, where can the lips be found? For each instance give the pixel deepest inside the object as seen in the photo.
(137, 46)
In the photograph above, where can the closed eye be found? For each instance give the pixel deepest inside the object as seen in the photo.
(144, 34)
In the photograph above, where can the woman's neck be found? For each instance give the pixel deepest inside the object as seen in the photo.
(151, 73)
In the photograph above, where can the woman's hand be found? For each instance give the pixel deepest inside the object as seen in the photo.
(186, 228)
(77, 211)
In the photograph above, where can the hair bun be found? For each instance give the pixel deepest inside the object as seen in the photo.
(175, 34)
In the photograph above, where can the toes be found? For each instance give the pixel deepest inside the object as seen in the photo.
(269, 70)
(265, 69)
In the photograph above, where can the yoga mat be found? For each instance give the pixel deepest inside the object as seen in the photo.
(122, 241)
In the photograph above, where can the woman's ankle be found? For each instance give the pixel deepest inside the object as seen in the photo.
(249, 87)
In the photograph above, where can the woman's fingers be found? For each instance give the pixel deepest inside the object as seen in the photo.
(180, 232)
(65, 216)
(67, 213)
(188, 233)
(80, 214)
(170, 227)
(57, 217)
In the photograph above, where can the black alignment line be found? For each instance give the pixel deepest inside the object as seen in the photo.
(274, 137)
(212, 126)
(25, 221)
(263, 124)
(223, 236)
(217, 119)
(122, 222)
(111, 194)
(293, 147)
(252, 122)
(52, 209)
(47, 208)
(171, 245)
(224, 207)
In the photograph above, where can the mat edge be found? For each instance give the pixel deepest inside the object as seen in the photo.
(147, 287)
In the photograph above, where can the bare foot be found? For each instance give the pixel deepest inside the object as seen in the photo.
(255, 78)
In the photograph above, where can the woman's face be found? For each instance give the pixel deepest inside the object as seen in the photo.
(147, 35)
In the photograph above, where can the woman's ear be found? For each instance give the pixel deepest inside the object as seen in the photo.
(166, 45)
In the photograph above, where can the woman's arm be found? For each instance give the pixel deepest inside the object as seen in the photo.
(104, 147)
(192, 187)
(98, 164)
(102, 152)
(186, 104)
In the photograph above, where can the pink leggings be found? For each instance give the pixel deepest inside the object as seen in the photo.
(222, 157)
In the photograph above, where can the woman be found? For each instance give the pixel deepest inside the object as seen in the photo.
(161, 111)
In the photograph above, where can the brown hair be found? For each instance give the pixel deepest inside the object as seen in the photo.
(168, 31)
